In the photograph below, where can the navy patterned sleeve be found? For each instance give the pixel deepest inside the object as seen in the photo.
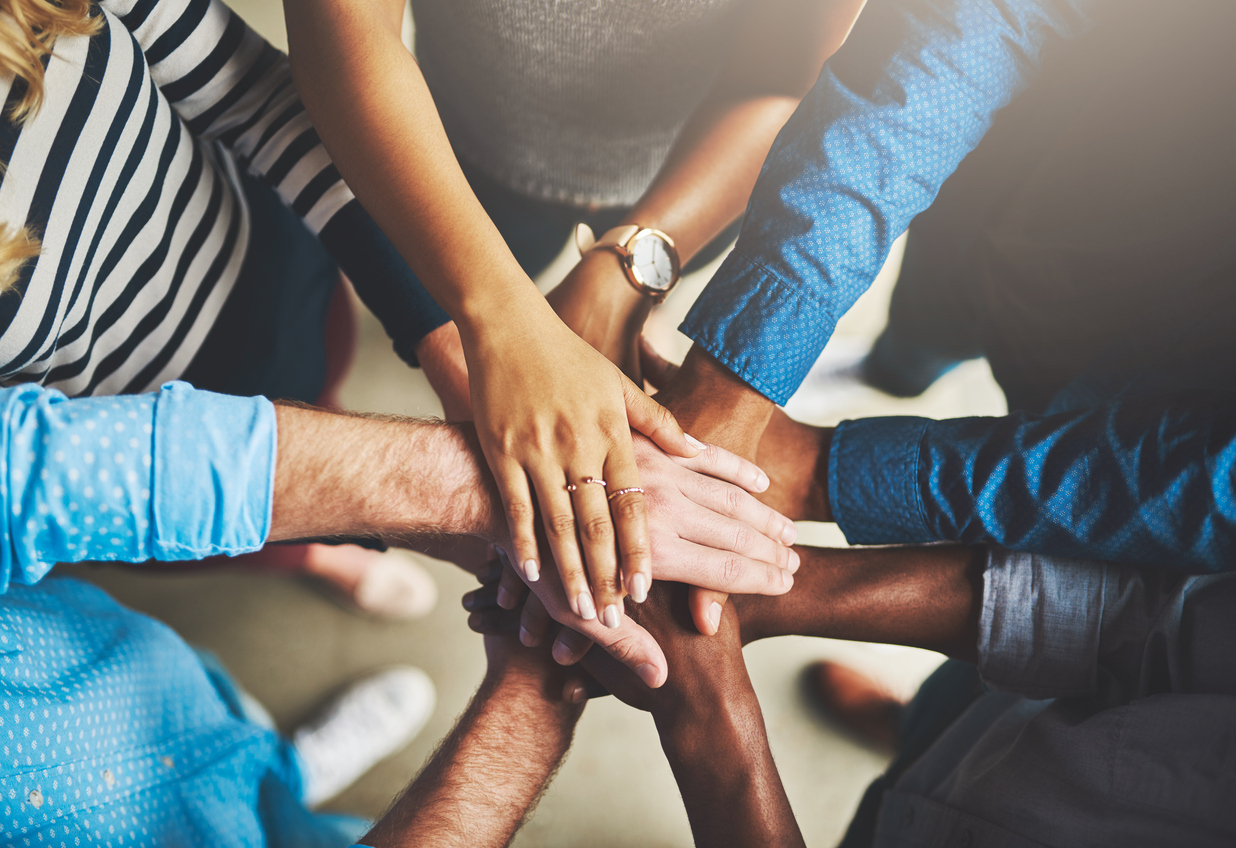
(1134, 483)
(892, 115)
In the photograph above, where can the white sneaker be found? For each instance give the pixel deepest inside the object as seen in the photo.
(370, 721)
(396, 587)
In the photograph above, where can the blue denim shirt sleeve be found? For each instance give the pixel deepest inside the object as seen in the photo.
(1053, 627)
(1127, 482)
(858, 160)
(177, 474)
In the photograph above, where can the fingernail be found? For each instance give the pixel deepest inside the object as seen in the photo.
(560, 653)
(787, 579)
(694, 441)
(795, 561)
(532, 573)
(526, 639)
(578, 694)
(506, 599)
(648, 673)
(612, 617)
(714, 615)
(586, 610)
(639, 588)
(789, 534)
(761, 482)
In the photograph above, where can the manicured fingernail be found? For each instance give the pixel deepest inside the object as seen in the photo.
(612, 617)
(639, 588)
(561, 655)
(506, 598)
(648, 673)
(694, 441)
(532, 573)
(761, 482)
(714, 616)
(586, 610)
(795, 561)
(526, 638)
(787, 579)
(577, 694)
(790, 534)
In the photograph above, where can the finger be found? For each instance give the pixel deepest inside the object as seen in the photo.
(720, 463)
(596, 534)
(722, 571)
(713, 530)
(570, 646)
(535, 623)
(658, 370)
(655, 421)
(731, 501)
(706, 609)
(558, 514)
(627, 506)
(511, 589)
(494, 622)
(580, 689)
(484, 598)
(491, 570)
(520, 515)
(630, 644)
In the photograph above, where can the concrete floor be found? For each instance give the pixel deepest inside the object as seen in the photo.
(291, 647)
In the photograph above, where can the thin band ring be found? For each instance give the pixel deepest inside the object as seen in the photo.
(625, 491)
(572, 487)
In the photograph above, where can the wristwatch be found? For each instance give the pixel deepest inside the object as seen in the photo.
(649, 258)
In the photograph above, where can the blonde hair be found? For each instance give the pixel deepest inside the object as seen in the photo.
(28, 32)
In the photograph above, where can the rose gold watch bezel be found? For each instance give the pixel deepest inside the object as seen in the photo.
(636, 278)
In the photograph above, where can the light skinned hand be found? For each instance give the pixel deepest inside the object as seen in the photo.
(551, 411)
(707, 529)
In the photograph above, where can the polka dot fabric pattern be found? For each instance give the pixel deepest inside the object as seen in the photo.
(892, 115)
(179, 474)
(111, 732)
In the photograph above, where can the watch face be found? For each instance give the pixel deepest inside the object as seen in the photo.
(652, 263)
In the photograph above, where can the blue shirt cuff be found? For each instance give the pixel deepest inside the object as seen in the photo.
(214, 473)
(766, 330)
(873, 486)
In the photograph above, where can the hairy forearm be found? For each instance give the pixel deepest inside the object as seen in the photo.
(348, 475)
(718, 750)
(924, 597)
(486, 777)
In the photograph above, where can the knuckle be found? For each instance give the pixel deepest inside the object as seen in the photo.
(731, 571)
(598, 529)
(519, 511)
(743, 538)
(561, 526)
(733, 499)
(629, 507)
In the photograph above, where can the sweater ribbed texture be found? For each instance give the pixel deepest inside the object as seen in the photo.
(576, 101)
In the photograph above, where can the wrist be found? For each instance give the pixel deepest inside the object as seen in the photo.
(705, 727)
(714, 405)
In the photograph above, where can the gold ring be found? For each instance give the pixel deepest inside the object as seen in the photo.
(571, 487)
(625, 491)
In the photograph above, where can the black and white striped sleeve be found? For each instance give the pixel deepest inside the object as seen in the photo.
(229, 85)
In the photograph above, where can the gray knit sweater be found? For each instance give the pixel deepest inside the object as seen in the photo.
(570, 100)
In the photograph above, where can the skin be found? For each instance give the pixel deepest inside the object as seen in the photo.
(485, 778)
(375, 115)
(407, 481)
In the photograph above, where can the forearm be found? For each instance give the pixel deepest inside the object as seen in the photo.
(488, 774)
(925, 597)
(718, 750)
(362, 476)
(714, 405)
(375, 115)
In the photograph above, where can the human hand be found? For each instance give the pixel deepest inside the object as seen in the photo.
(705, 529)
(550, 411)
(600, 306)
(442, 359)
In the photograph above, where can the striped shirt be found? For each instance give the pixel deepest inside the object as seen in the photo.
(129, 175)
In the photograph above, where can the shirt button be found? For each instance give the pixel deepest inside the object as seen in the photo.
(908, 818)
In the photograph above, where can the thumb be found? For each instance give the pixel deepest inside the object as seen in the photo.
(647, 416)
(705, 607)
